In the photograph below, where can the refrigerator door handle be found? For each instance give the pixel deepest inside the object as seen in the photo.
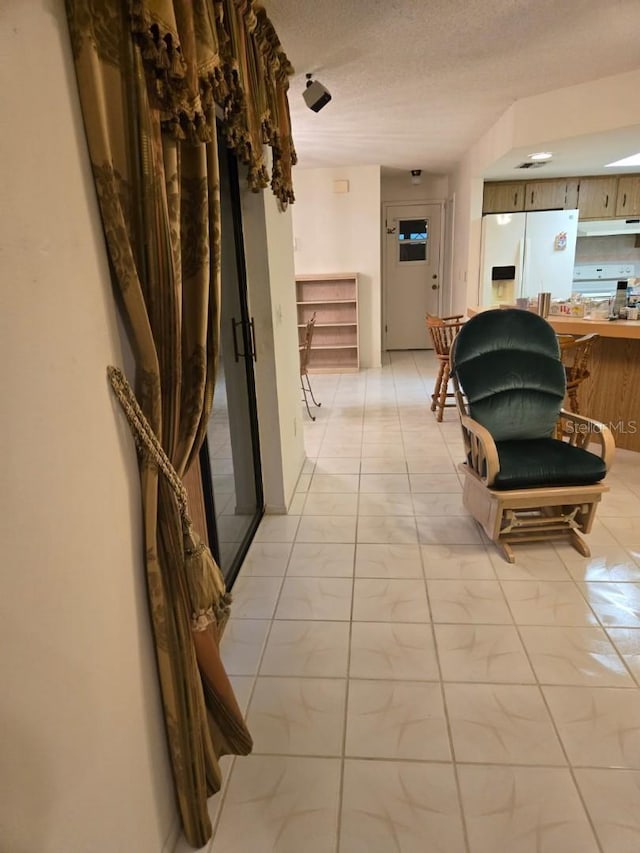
(520, 268)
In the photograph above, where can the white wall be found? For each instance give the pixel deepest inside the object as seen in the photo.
(467, 223)
(341, 233)
(83, 764)
(268, 240)
(594, 107)
(287, 358)
(399, 188)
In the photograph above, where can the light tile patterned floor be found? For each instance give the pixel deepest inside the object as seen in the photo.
(406, 688)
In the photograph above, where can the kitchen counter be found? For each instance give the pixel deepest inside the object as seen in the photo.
(564, 325)
(611, 394)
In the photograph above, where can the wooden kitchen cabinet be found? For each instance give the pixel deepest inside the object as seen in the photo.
(546, 195)
(628, 203)
(503, 197)
(597, 197)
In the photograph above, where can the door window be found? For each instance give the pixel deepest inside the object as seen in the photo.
(413, 240)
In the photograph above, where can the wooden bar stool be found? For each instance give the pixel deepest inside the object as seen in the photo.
(443, 331)
(575, 354)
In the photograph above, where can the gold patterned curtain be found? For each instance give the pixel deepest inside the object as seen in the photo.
(150, 73)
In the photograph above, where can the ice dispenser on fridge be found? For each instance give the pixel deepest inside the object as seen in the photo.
(503, 280)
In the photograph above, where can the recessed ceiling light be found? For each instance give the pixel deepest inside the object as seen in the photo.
(634, 160)
(541, 155)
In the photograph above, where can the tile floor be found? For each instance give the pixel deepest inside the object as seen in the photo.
(408, 690)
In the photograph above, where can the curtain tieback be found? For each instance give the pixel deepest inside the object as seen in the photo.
(210, 602)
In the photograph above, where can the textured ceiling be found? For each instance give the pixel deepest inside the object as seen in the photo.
(416, 82)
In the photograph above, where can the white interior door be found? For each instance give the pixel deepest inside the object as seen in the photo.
(412, 273)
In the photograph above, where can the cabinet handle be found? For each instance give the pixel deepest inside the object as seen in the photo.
(515, 199)
(606, 200)
(624, 199)
(531, 196)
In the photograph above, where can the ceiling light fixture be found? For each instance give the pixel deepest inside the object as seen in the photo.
(416, 176)
(541, 155)
(633, 160)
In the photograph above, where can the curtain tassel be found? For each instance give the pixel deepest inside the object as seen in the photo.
(163, 60)
(177, 66)
(209, 602)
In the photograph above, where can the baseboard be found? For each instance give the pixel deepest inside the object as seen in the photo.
(275, 509)
(169, 845)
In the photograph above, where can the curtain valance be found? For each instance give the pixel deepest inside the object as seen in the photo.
(201, 53)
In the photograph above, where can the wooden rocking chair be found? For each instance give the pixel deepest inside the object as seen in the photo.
(521, 483)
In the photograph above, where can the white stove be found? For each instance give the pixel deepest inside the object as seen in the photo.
(598, 281)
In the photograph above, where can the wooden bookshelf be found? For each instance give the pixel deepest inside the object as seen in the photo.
(333, 297)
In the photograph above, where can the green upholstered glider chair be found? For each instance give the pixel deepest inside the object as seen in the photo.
(530, 472)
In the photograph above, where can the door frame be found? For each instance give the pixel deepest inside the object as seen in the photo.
(448, 232)
(385, 288)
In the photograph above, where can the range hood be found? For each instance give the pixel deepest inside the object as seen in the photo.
(608, 227)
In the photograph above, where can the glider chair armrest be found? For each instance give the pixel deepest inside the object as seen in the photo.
(480, 448)
(581, 431)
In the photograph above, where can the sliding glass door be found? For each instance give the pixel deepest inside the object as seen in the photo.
(230, 458)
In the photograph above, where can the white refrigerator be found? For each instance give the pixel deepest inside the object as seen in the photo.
(524, 254)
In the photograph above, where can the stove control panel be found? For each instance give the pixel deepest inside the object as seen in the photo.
(603, 272)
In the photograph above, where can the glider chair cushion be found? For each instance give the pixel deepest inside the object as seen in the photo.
(529, 474)
(545, 462)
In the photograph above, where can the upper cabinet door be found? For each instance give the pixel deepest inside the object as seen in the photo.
(546, 195)
(597, 197)
(571, 199)
(503, 197)
(628, 203)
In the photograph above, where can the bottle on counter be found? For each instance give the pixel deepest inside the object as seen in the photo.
(620, 300)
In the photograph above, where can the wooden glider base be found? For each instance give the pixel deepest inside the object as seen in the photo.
(526, 515)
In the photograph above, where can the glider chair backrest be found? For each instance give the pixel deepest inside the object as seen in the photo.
(508, 363)
(523, 483)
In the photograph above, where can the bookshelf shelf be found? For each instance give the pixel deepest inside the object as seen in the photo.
(333, 298)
